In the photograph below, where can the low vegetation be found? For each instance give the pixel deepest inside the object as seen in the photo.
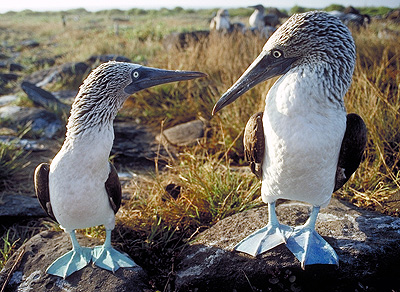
(208, 179)
(12, 160)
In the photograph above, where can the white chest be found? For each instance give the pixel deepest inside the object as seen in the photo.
(76, 181)
(222, 23)
(303, 131)
(256, 19)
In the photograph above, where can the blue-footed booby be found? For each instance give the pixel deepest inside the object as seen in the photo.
(303, 146)
(256, 19)
(80, 188)
(221, 21)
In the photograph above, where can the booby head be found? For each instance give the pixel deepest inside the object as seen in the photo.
(223, 13)
(107, 87)
(307, 39)
(258, 7)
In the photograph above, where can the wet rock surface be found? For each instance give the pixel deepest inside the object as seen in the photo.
(25, 271)
(367, 243)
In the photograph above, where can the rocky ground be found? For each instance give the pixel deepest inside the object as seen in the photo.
(367, 244)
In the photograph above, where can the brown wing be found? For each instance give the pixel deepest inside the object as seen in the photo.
(352, 149)
(41, 182)
(113, 188)
(254, 143)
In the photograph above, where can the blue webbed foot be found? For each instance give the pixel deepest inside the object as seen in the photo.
(74, 260)
(265, 238)
(309, 247)
(106, 257)
(110, 259)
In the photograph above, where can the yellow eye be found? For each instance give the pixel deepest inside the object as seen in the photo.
(277, 54)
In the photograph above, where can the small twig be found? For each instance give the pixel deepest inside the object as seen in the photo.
(13, 268)
(248, 281)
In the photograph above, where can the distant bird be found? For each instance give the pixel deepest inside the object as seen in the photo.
(80, 188)
(221, 21)
(256, 19)
(303, 146)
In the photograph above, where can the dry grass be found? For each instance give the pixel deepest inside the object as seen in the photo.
(375, 95)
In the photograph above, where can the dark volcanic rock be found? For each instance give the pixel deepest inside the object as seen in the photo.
(42, 249)
(71, 73)
(29, 44)
(185, 134)
(45, 99)
(66, 96)
(134, 142)
(368, 246)
(7, 77)
(4, 56)
(42, 122)
(12, 205)
(16, 67)
(26, 144)
(182, 40)
(45, 62)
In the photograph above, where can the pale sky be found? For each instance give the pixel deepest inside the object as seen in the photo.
(92, 5)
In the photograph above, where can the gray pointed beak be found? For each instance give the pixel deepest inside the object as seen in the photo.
(147, 77)
(262, 69)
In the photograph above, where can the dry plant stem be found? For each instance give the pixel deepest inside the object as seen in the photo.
(13, 268)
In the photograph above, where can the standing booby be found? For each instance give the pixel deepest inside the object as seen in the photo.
(256, 19)
(80, 188)
(303, 146)
(221, 21)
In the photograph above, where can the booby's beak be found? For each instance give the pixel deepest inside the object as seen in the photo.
(145, 77)
(263, 68)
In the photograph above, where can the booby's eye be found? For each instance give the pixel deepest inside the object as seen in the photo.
(277, 54)
(135, 74)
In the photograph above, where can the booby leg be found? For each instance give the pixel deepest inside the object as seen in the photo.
(106, 257)
(265, 238)
(74, 260)
(308, 246)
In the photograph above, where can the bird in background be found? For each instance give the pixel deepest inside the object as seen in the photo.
(256, 19)
(303, 146)
(221, 21)
(80, 188)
